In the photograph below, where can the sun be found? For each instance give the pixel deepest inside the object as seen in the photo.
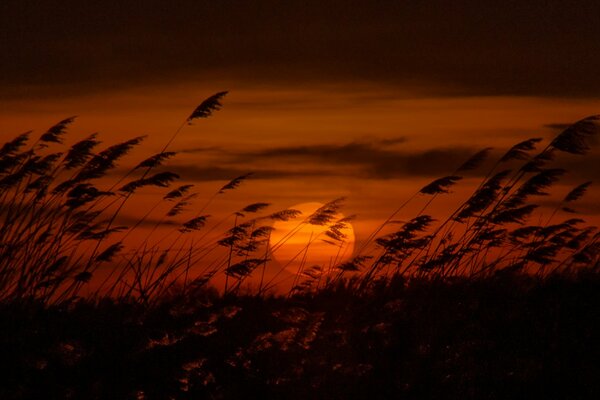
(298, 245)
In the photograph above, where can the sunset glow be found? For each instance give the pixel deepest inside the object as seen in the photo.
(297, 245)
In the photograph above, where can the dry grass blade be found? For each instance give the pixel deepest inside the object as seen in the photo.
(475, 161)
(285, 215)
(537, 163)
(587, 254)
(179, 192)
(207, 107)
(335, 230)
(534, 186)
(106, 159)
(255, 207)
(520, 150)
(524, 232)
(483, 197)
(581, 238)
(354, 265)
(55, 133)
(11, 147)
(234, 183)
(156, 160)
(543, 255)
(244, 268)
(326, 213)
(235, 235)
(195, 223)
(109, 252)
(261, 232)
(514, 215)
(440, 185)
(80, 152)
(82, 194)
(83, 277)
(406, 239)
(540, 181)
(41, 184)
(179, 207)
(574, 139)
(577, 192)
(100, 234)
(161, 179)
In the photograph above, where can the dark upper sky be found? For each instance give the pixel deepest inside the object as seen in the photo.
(548, 48)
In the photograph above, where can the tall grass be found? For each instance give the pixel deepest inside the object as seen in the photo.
(59, 225)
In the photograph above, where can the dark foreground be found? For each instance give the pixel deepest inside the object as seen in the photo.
(499, 338)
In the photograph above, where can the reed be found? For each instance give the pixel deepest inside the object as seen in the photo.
(59, 224)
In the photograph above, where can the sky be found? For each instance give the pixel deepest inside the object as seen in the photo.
(464, 47)
(364, 99)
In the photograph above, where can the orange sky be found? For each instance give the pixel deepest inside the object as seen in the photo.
(299, 142)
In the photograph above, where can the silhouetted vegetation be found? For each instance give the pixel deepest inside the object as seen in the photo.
(509, 336)
(479, 304)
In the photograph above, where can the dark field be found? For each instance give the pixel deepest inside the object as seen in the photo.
(508, 336)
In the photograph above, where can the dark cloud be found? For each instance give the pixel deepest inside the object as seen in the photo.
(582, 208)
(393, 141)
(132, 220)
(535, 47)
(557, 127)
(367, 160)
(581, 168)
(210, 173)
(209, 149)
(374, 160)
(356, 159)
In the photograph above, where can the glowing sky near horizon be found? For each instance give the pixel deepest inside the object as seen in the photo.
(313, 144)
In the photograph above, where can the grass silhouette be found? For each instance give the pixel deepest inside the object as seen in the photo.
(479, 304)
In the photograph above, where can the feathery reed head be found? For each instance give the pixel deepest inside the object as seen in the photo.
(80, 152)
(55, 133)
(539, 161)
(483, 197)
(207, 107)
(520, 150)
(254, 208)
(573, 139)
(285, 215)
(101, 163)
(326, 213)
(577, 192)
(475, 160)
(155, 160)
(179, 192)
(234, 183)
(13, 146)
(354, 265)
(179, 207)
(161, 179)
(440, 185)
(514, 215)
(194, 224)
(108, 254)
(244, 268)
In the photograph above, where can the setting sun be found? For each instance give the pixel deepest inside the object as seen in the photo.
(298, 244)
